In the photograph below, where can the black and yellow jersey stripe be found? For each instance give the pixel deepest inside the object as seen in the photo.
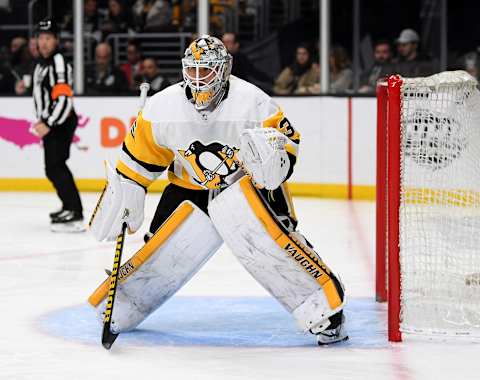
(142, 159)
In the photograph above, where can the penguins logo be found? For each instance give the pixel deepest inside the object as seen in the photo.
(200, 47)
(211, 163)
(196, 50)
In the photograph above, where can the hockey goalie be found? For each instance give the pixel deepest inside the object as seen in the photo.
(228, 150)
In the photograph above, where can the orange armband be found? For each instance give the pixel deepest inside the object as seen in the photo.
(61, 89)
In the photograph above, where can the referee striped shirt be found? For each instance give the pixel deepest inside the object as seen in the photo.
(52, 90)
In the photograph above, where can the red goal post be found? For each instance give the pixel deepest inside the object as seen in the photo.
(428, 204)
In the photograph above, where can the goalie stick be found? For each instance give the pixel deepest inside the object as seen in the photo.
(108, 337)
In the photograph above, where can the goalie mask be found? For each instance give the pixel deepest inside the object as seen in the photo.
(206, 69)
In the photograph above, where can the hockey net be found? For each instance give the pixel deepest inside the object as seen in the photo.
(428, 204)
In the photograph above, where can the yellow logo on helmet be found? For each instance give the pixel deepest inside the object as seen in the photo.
(196, 51)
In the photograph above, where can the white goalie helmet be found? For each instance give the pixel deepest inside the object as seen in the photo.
(206, 69)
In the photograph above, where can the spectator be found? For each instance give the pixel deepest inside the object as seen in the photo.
(176, 13)
(133, 69)
(7, 80)
(410, 63)
(152, 75)
(184, 15)
(103, 78)
(341, 74)
(22, 65)
(33, 48)
(119, 19)
(153, 15)
(220, 10)
(298, 77)
(242, 66)
(382, 67)
(16, 44)
(91, 18)
(22, 61)
(470, 64)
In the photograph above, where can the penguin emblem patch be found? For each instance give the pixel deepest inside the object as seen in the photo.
(211, 163)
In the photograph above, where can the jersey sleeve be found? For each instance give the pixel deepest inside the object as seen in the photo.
(143, 158)
(277, 120)
(61, 94)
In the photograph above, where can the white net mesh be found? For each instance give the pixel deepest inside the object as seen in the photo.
(440, 205)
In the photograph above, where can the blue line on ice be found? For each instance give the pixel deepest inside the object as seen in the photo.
(221, 322)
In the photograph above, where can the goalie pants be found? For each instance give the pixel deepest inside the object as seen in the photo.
(56, 145)
(173, 195)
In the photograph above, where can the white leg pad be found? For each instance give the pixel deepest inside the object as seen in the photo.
(293, 273)
(180, 247)
(312, 315)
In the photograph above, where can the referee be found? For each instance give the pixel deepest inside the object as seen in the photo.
(56, 123)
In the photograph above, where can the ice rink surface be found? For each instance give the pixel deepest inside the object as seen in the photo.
(221, 325)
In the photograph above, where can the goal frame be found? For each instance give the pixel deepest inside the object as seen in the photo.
(388, 201)
(424, 125)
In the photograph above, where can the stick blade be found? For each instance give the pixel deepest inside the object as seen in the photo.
(108, 337)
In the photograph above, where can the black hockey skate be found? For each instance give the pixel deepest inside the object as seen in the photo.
(335, 332)
(55, 214)
(68, 221)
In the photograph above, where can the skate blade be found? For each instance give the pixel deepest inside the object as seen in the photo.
(326, 342)
(73, 227)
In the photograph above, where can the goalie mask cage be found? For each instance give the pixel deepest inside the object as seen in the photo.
(428, 204)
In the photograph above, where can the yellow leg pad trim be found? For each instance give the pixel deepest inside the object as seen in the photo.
(332, 294)
(259, 209)
(157, 240)
(302, 254)
(125, 170)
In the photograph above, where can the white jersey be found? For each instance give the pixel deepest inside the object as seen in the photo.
(199, 149)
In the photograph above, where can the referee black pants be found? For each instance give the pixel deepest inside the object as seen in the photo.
(56, 146)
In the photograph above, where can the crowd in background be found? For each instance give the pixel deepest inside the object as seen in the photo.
(102, 18)
(102, 77)
(401, 56)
